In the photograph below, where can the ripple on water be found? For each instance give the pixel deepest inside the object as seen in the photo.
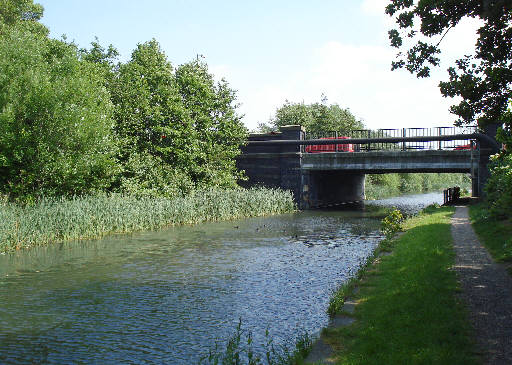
(168, 296)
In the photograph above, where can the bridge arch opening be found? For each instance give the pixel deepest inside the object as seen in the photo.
(332, 187)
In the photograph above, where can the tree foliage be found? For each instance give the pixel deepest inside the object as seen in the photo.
(315, 117)
(55, 118)
(482, 80)
(499, 186)
(178, 121)
(217, 127)
(78, 121)
(22, 13)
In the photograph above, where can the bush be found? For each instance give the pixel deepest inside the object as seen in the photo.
(499, 186)
(392, 223)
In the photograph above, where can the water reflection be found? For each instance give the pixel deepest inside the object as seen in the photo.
(167, 296)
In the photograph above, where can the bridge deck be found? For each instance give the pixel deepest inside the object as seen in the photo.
(393, 161)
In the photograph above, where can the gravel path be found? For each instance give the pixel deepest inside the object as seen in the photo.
(487, 291)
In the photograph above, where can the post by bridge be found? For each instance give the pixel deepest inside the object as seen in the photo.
(335, 174)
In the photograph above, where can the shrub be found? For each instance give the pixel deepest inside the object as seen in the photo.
(392, 223)
(499, 186)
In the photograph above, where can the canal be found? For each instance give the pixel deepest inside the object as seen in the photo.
(169, 296)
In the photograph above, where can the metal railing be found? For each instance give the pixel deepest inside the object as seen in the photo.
(462, 144)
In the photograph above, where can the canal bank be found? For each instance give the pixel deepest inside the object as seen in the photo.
(437, 298)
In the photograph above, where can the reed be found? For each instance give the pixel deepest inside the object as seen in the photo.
(53, 220)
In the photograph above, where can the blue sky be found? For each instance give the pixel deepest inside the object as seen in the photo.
(270, 51)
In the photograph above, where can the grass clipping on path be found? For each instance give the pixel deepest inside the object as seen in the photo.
(408, 312)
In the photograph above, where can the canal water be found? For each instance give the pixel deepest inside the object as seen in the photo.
(169, 296)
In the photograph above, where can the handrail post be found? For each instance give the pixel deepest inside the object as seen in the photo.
(403, 143)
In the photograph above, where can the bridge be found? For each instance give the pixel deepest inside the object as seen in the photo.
(336, 174)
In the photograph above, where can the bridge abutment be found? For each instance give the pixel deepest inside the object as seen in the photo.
(274, 166)
(486, 150)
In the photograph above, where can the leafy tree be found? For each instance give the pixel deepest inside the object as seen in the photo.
(499, 186)
(151, 123)
(482, 80)
(178, 119)
(105, 57)
(55, 118)
(218, 129)
(21, 13)
(315, 117)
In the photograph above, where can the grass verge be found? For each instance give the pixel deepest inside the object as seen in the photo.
(495, 235)
(56, 220)
(407, 311)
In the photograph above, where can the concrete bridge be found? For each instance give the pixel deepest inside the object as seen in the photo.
(280, 159)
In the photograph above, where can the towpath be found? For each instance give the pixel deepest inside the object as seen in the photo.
(486, 289)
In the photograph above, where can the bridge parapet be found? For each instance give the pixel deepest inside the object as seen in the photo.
(462, 143)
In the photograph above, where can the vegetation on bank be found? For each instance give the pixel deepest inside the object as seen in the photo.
(239, 349)
(495, 234)
(408, 311)
(380, 186)
(499, 186)
(53, 220)
(492, 218)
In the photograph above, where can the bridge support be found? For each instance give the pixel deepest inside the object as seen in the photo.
(275, 166)
(325, 188)
(486, 150)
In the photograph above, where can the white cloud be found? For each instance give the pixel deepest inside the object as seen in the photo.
(374, 7)
(359, 77)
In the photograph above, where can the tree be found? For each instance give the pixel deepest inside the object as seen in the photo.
(22, 13)
(315, 117)
(151, 124)
(218, 128)
(106, 58)
(482, 80)
(178, 121)
(55, 119)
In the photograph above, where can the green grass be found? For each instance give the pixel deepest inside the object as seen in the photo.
(408, 312)
(56, 220)
(494, 234)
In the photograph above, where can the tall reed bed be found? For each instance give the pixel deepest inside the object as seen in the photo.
(63, 219)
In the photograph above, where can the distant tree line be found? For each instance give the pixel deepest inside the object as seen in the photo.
(315, 117)
(76, 121)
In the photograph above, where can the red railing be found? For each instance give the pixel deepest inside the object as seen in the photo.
(315, 148)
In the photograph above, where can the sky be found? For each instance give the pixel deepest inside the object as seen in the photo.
(271, 51)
